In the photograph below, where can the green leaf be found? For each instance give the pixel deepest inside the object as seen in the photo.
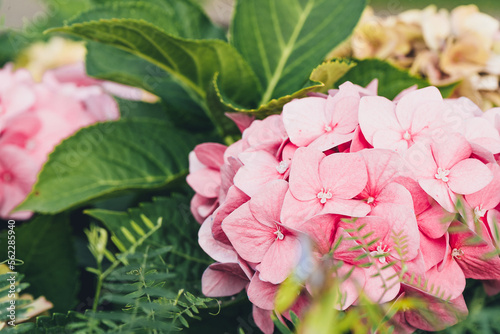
(180, 104)
(182, 18)
(219, 104)
(110, 158)
(193, 62)
(391, 80)
(326, 74)
(330, 72)
(284, 39)
(45, 245)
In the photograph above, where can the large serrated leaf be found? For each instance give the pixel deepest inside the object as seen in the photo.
(110, 158)
(283, 40)
(194, 62)
(325, 76)
(182, 18)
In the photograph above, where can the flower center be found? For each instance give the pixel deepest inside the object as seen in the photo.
(279, 234)
(370, 200)
(406, 135)
(479, 212)
(328, 128)
(380, 253)
(324, 195)
(282, 167)
(7, 176)
(30, 145)
(442, 174)
(457, 253)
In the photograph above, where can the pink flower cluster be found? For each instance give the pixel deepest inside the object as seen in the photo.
(418, 177)
(36, 116)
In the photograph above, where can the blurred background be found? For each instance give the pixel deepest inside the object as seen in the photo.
(14, 13)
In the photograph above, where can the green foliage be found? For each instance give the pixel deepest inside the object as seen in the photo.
(283, 40)
(179, 231)
(391, 80)
(45, 246)
(192, 62)
(110, 158)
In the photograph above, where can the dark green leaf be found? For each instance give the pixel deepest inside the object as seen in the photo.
(107, 159)
(45, 245)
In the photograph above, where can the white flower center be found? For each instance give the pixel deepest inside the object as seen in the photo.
(457, 253)
(282, 167)
(370, 200)
(380, 253)
(324, 195)
(479, 212)
(406, 136)
(328, 128)
(442, 174)
(279, 234)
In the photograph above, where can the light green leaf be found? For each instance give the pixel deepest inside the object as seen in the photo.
(110, 158)
(284, 39)
(193, 62)
(330, 72)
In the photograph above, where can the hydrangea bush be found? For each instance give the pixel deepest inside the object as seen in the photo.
(187, 177)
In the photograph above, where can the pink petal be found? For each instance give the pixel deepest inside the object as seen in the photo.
(450, 149)
(434, 221)
(439, 190)
(294, 212)
(376, 113)
(241, 120)
(234, 199)
(390, 139)
(477, 260)
(217, 250)
(438, 314)
(259, 168)
(250, 238)
(350, 287)
(321, 229)
(346, 207)
(450, 279)
(469, 176)
(266, 205)
(330, 140)
(263, 320)
(305, 120)
(222, 280)
(375, 288)
(304, 174)
(210, 154)
(381, 166)
(205, 182)
(344, 174)
(411, 104)
(261, 293)
(280, 260)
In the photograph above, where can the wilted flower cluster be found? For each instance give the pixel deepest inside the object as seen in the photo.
(36, 116)
(443, 46)
(415, 181)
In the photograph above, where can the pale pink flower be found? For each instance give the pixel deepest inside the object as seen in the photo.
(316, 189)
(386, 124)
(445, 169)
(323, 123)
(257, 234)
